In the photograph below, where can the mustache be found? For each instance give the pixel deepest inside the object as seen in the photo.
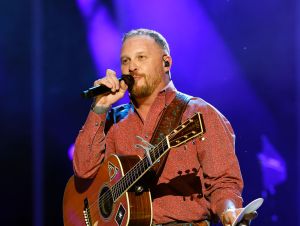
(134, 75)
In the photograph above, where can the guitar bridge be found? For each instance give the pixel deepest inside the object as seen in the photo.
(86, 213)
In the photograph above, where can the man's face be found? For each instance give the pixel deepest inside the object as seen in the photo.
(141, 57)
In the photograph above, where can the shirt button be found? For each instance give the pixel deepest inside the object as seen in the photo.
(146, 136)
(96, 124)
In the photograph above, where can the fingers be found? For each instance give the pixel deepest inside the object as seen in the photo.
(123, 86)
(250, 216)
(238, 210)
(244, 223)
(247, 219)
(110, 80)
(228, 217)
(118, 90)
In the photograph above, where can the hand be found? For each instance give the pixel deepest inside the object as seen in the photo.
(230, 215)
(118, 90)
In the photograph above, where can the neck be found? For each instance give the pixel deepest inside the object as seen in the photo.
(143, 104)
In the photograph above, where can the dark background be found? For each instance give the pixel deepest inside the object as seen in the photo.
(241, 56)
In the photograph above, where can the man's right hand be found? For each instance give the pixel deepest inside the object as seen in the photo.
(118, 89)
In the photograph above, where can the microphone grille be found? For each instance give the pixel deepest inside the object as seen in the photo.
(129, 80)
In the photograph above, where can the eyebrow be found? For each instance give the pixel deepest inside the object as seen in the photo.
(122, 57)
(138, 53)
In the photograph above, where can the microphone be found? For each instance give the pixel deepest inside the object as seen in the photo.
(102, 89)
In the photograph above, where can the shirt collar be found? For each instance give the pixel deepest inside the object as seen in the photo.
(169, 87)
(169, 92)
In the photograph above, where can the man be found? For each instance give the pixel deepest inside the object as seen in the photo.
(199, 180)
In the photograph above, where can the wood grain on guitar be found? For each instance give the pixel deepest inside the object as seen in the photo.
(110, 199)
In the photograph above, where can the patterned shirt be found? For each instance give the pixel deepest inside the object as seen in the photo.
(198, 177)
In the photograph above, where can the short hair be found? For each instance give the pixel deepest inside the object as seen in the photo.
(158, 38)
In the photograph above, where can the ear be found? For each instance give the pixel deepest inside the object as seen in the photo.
(167, 63)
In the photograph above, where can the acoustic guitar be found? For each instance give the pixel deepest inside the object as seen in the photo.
(115, 196)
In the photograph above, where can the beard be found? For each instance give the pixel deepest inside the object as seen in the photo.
(148, 86)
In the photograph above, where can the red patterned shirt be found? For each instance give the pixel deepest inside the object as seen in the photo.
(198, 177)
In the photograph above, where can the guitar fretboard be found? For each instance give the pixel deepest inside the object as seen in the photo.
(136, 172)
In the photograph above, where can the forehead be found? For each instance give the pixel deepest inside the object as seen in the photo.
(138, 44)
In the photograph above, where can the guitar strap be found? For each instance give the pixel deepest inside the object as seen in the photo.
(170, 119)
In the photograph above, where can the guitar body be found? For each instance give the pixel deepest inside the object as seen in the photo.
(109, 198)
(91, 201)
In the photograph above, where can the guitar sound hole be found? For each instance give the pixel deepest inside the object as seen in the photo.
(105, 202)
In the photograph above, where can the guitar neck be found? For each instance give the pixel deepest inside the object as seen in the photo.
(138, 170)
(188, 130)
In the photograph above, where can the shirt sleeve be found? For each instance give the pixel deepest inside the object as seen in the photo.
(222, 177)
(90, 146)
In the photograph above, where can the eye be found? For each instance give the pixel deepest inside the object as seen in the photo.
(125, 61)
(141, 57)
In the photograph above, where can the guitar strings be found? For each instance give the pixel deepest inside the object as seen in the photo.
(133, 174)
(106, 196)
(143, 163)
(129, 175)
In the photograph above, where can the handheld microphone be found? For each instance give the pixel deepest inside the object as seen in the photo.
(102, 89)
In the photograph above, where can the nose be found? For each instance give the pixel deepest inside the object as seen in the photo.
(132, 67)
